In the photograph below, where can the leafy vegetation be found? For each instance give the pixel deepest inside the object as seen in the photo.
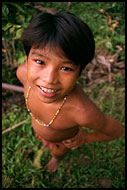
(96, 165)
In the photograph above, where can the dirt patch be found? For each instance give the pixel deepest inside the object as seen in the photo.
(12, 97)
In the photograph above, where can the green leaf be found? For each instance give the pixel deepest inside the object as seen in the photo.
(20, 18)
(4, 22)
(108, 45)
(17, 6)
(5, 11)
(18, 33)
(24, 25)
(6, 26)
(11, 30)
(21, 59)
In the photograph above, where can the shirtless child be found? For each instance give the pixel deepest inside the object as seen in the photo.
(58, 47)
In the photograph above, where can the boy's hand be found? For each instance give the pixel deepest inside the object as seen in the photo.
(76, 141)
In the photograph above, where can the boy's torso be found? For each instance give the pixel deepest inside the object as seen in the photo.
(63, 127)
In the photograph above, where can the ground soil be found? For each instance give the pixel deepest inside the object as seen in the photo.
(12, 97)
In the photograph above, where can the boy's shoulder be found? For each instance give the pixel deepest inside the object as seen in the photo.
(22, 73)
(85, 109)
(81, 99)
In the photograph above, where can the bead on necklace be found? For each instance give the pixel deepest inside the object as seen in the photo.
(54, 117)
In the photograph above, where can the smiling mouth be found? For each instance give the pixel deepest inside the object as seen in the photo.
(47, 90)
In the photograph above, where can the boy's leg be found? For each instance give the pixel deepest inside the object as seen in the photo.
(58, 152)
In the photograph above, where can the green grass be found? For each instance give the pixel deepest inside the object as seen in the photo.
(84, 167)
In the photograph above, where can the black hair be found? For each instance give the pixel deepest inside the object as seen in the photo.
(63, 30)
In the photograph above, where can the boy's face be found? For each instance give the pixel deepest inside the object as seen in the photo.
(51, 75)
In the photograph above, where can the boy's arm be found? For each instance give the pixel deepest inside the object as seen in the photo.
(109, 131)
(22, 73)
(106, 128)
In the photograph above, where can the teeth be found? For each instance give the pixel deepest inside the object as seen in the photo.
(49, 91)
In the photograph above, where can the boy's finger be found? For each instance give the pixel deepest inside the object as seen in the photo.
(74, 148)
(69, 141)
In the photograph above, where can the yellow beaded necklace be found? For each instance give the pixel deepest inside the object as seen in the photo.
(56, 114)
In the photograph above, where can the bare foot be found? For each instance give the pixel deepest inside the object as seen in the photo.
(53, 164)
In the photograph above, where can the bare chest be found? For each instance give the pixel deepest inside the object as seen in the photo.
(63, 126)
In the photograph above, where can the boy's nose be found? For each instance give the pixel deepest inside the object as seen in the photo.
(50, 77)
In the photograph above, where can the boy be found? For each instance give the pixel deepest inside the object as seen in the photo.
(58, 47)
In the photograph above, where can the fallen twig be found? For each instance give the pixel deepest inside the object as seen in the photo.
(13, 127)
(48, 10)
(12, 87)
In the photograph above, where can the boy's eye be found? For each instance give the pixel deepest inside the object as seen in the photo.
(39, 62)
(66, 69)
